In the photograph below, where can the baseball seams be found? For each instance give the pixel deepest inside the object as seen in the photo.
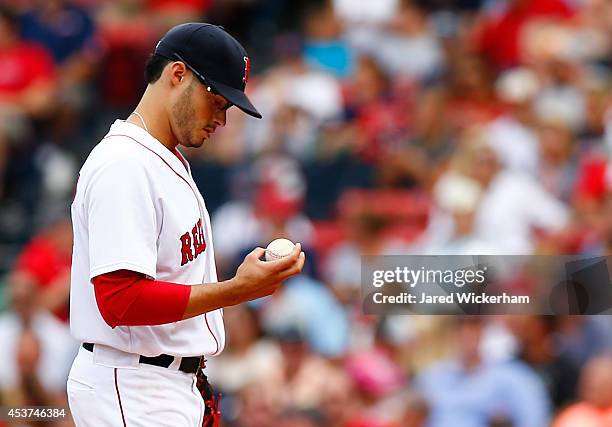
(271, 256)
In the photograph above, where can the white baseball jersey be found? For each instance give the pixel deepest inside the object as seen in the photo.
(137, 208)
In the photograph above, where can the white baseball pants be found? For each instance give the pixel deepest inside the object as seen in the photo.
(109, 388)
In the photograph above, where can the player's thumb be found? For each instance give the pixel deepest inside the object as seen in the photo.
(256, 253)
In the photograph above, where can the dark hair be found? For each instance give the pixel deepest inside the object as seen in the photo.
(155, 66)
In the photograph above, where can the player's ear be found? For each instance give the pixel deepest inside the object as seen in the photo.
(178, 71)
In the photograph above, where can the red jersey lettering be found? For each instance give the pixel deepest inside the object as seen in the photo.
(192, 243)
(186, 254)
(201, 246)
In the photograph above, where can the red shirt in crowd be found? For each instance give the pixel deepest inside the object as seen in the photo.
(45, 263)
(24, 64)
(195, 6)
(499, 37)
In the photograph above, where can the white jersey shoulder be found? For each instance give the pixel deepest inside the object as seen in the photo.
(137, 208)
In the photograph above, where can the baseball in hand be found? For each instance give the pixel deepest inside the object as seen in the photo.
(278, 249)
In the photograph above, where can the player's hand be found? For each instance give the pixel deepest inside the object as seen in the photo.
(256, 278)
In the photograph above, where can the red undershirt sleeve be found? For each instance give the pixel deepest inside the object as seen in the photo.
(127, 298)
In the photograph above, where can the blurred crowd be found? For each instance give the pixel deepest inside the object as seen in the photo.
(390, 127)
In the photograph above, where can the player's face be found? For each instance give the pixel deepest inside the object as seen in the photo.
(197, 113)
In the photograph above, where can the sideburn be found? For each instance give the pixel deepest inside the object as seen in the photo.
(184, 113)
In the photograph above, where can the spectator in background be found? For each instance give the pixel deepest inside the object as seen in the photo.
(467, 392)
(551, 51)
(27, 87)
(416, 411)
(580, 338)
(297, 418)
(460, 197)
(310, 307)
(465, 98)
(407, 49)
(510, 208)
(258, 406)
(364, 236)
(558, 167)
(538, 348)
(249, 358)
(127, 29)
(592, 29)
(57, 169)
(596, 92)
(595, 406)
(303, 375)
(27, 76)
(340, 405)
(35, 348)
(498, 37)
(69, 34)
(66, 30)
(324, 47)
(591, 204)
(380, 113)
(513, 204)
(379, 381)
(296, 98)
(513, 135)
(174, 12)
(356, 13)
(363, 19)
(336, 166)
(46, 259)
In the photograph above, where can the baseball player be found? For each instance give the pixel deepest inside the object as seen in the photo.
(145, 301)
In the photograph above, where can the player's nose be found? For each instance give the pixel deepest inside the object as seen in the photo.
(220, 118)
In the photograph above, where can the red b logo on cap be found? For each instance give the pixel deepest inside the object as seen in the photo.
(247, 69)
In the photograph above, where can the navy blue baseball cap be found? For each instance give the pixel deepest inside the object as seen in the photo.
(214, 56)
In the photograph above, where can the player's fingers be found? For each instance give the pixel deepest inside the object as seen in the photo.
(295, 268)
(278, 265)
(295, 252)
(301, 261)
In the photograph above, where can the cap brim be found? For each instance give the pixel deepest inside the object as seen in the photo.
(236, 97)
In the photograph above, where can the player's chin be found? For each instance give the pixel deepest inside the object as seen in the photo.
(203, 137)
(198, 141)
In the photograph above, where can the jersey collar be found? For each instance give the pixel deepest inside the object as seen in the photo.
(180, 166)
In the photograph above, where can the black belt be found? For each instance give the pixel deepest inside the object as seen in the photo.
(188, 365)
